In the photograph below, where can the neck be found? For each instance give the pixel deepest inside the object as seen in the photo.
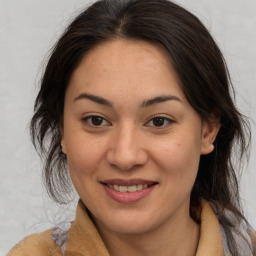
(178, 238)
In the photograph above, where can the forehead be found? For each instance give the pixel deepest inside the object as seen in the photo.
(126, 65)
(127, 51)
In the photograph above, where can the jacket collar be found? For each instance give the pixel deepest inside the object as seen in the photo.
(210, 242)
(84, 238)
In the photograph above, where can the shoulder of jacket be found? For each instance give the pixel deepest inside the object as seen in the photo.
(39, 244)
(244, 238)
(253, 239)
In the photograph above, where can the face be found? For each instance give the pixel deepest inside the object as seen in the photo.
(132, 140)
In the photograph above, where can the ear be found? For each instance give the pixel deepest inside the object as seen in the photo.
(209, 133)
(62, 142)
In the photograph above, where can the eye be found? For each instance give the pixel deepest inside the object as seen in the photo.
(159, 122)
(95, 121)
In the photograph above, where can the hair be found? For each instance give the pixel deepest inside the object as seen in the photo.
(204, 79)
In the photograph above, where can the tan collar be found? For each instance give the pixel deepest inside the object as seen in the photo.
(84, 238)
(210, 242)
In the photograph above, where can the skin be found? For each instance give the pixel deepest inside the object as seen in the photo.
(126, 144)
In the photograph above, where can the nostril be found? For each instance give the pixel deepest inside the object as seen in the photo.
(125, 159)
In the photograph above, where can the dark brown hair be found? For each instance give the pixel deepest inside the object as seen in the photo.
(204, 79)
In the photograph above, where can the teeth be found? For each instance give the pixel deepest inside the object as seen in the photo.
(139, 187)
(123, 188)
(133, 188)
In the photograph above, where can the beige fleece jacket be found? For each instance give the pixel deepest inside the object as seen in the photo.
(84, 239)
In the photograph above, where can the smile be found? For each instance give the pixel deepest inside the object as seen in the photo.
(123, 191)
(132, 188)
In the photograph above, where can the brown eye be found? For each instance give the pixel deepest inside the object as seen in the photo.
(159, 122)
(96, 121)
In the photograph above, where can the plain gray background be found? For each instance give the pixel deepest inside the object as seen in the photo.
(28, 29)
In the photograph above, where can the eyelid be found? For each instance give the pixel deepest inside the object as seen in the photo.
(86, 118)
(86, 121)
(170, 121)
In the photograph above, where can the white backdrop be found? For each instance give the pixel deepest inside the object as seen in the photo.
(28, 28)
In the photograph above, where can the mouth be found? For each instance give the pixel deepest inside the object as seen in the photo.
(128, 191)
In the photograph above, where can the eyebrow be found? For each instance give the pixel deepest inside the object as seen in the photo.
(146, 103)
(159, 99)
(94, 98)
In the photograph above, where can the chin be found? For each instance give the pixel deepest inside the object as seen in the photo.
(129, 223)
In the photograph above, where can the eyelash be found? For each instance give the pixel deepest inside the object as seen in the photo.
(88, 120)
(167, 121)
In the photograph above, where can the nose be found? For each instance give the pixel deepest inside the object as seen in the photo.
(126, 150)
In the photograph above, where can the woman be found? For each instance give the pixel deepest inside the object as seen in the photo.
(135, 102)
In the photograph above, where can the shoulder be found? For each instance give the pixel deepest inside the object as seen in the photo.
(39, 244)
(253, 239)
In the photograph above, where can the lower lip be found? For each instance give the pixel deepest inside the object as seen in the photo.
(128, 197)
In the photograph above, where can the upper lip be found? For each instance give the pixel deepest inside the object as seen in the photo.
(131, 182)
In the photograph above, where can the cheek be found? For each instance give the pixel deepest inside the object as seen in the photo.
(179, 159)
(84, 161)
(83, 156)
